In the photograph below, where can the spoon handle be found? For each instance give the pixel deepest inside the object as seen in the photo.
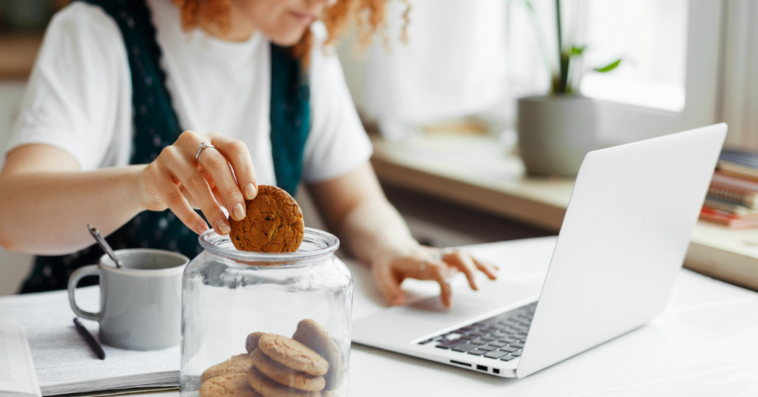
(104, 245)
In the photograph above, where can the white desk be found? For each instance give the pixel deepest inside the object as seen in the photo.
(704, 344)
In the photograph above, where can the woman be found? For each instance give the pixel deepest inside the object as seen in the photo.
(98, 137)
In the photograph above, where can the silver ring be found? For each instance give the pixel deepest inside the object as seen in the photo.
(200, 149)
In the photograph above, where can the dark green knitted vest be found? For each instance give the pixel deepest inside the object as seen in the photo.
(156, 126)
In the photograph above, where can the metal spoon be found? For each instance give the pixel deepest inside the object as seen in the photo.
(104, 245)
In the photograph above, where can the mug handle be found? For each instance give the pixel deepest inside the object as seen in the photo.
(73, 281)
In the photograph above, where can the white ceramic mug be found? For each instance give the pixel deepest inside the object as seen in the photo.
(140, 304)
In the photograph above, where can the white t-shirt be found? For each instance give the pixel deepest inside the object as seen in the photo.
(79, 94)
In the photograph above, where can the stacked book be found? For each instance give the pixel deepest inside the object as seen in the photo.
(732, 198)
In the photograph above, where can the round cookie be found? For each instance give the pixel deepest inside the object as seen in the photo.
(328, 393)
(313, 335)
(274, 223)
(240, 363)
(293, 354)
(268, 388)
(228, 385)
(251, 343)
(284, 375)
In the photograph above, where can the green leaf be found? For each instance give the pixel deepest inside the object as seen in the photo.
(577, 51)
(609, 67)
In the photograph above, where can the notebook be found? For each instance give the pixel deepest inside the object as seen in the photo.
(63, 362)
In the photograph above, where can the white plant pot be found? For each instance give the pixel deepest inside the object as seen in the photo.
(556, 132)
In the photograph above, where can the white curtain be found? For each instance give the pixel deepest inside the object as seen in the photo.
(740, 79)
(453, 65)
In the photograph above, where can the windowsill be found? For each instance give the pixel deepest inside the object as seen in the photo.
(476, 171)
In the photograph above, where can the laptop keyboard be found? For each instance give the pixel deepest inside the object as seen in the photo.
(500, 337)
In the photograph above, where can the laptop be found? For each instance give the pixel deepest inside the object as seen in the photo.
(619, 250)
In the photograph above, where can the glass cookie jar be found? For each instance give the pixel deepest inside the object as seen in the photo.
(231, 298)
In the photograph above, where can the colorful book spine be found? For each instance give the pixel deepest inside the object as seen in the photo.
(732, 198)
(732, 221)
(739, 163)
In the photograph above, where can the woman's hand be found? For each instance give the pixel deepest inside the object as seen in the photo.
(426, 263)
(369, 226)
(175, 180)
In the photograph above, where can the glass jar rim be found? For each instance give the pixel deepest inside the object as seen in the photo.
(330, 241)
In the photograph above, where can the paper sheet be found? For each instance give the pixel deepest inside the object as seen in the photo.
(64, 362)
(17, 375)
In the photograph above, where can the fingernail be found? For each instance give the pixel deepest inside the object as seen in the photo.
(223, 226)
(239, 211)
(250, 191)
(202, 228)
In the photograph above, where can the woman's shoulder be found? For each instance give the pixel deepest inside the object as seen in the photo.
(87, 22)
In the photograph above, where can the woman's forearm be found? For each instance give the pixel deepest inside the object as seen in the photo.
(354, 206)
(371, 229)
(374, 229)
(47, 212)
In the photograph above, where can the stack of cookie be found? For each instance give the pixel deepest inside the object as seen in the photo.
(307, 365)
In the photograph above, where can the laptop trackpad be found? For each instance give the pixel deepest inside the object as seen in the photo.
(431, 309)
(402, 324)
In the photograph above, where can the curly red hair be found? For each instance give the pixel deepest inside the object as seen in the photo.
(369, 15)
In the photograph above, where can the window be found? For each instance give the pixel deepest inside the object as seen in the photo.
(651, 38)
(669, 80)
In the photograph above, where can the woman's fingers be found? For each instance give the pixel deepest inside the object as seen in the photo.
(196, 185)
(217, 166)
(438, 272)
(463, 262)
(426, 265)
(191, 200)
(239, 156)
(209, 179)
(388, 284)
(173, 197)
(487, 268)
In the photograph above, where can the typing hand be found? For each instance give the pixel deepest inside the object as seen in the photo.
(427, 263)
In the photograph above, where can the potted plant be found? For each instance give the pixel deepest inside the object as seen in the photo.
(557, 130)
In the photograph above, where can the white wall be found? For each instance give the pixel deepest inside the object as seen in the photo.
(13, 266)
(353, 60)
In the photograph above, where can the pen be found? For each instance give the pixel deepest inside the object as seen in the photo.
(96, 348)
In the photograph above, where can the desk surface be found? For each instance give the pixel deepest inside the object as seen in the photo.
(704, 343)
(479, 172)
